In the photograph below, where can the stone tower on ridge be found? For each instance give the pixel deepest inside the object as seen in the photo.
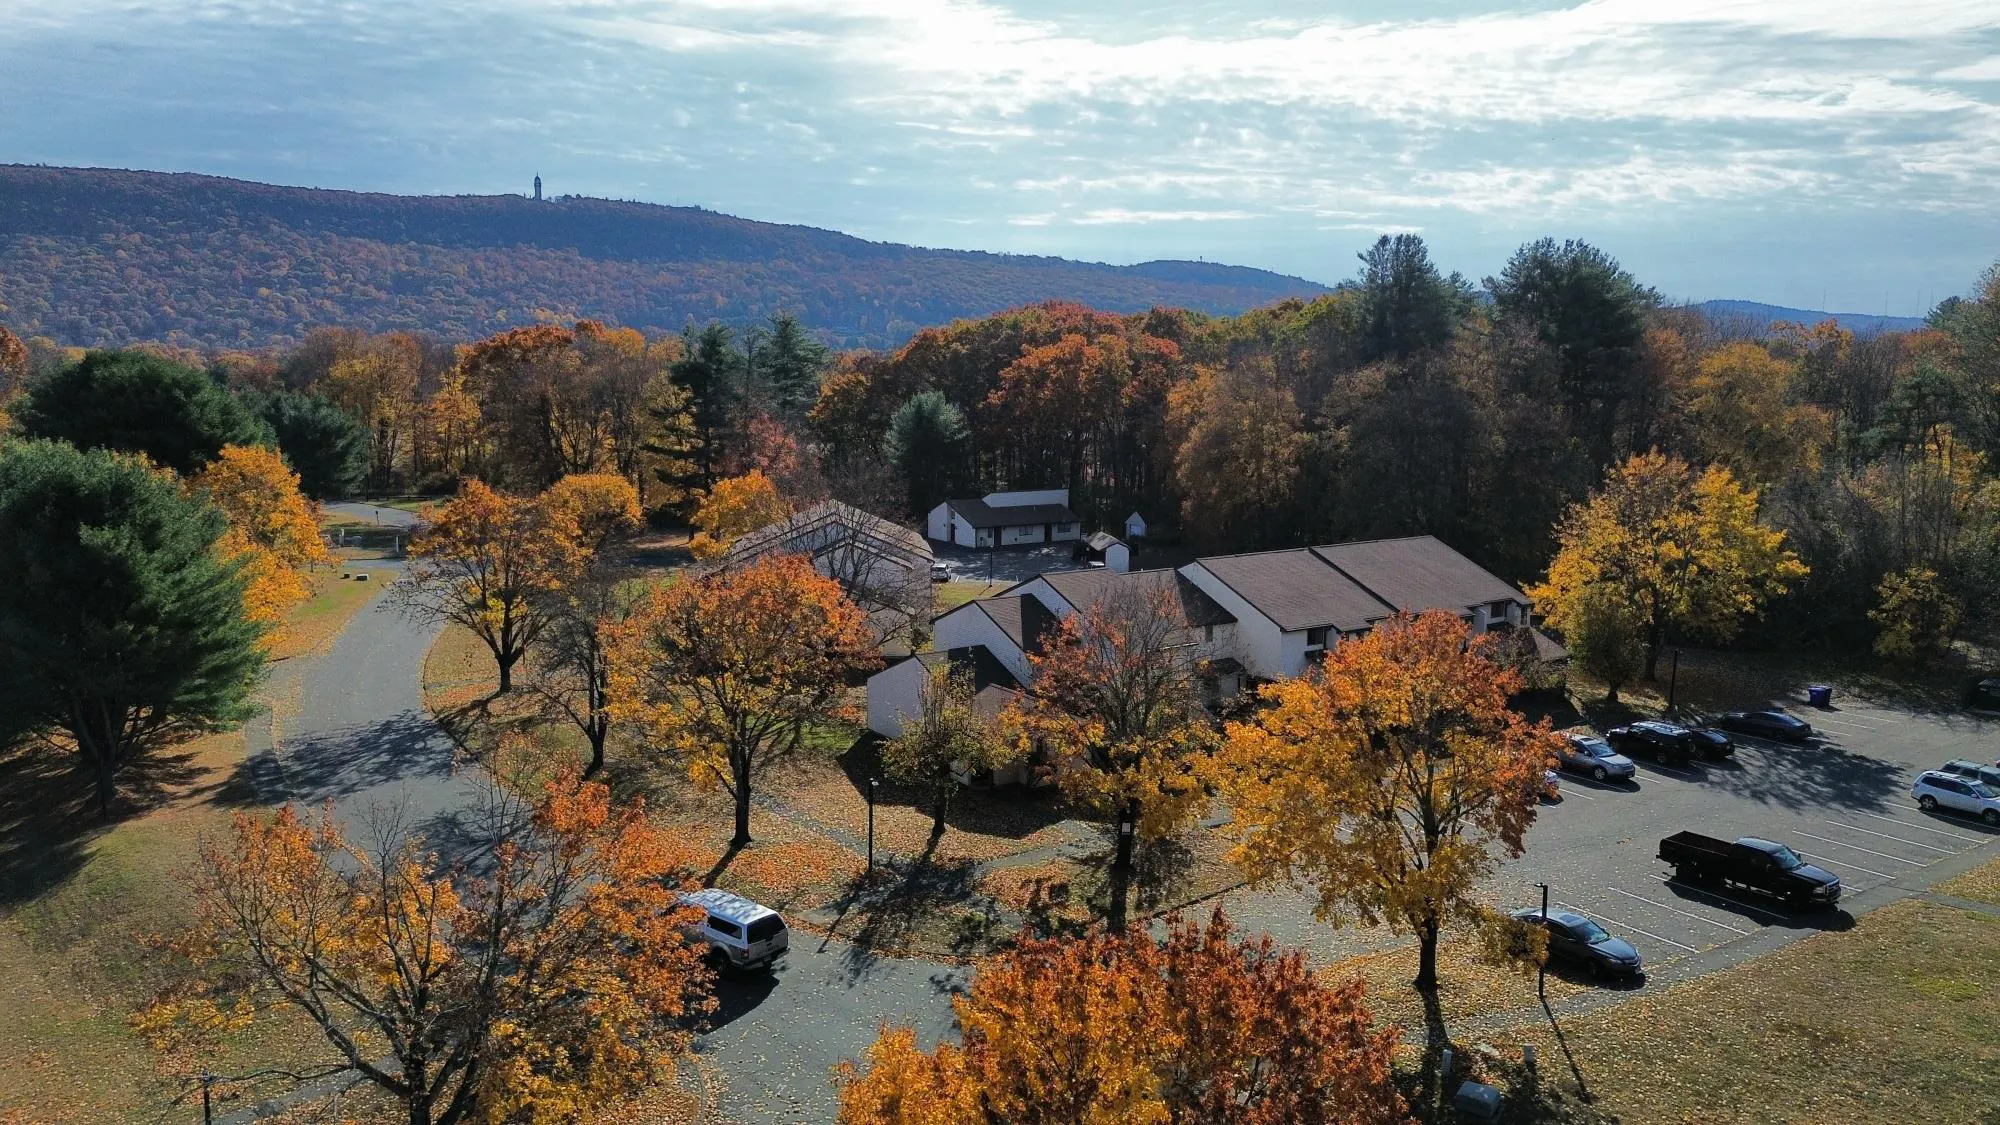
(538, 189)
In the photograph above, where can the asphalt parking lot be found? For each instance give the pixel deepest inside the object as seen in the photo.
(1841, 801)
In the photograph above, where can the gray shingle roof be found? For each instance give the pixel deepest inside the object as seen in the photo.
(979, 513)
(816, 529)
(1418, 573)
(1083, 587)
(1022, 617)
(1297, 589)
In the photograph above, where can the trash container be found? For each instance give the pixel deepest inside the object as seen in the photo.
(1819, 695)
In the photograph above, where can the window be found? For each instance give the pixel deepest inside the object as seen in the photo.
(725, 927)
(1316, 638)
(1208, 632)
(767, 927)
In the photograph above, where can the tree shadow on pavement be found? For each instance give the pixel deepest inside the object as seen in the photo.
(906, 899)
(1814, 775)
(335, 764)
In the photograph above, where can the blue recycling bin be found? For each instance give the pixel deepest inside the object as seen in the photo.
(1819, 695)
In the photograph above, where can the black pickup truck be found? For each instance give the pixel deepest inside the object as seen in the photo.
(1761, 865)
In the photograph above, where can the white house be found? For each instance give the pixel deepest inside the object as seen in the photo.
(1006, 519)
(1291, 606)
(1135, 526)
(1005, 629)
(883, 566)
(895, 694)
(1104, 547)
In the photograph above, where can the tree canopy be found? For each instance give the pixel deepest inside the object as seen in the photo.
(140, 402)
(122, 626)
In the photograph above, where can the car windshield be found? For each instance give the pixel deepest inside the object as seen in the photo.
(1595, 747)
(1589, 931)
(1780, 718)
(1785, 858)
(1981, 789)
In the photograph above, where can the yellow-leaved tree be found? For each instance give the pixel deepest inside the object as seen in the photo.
(272, 532)
(1747, 415)
(1116, 706)
(726, 670)
(545, 982)
(1391, 781)
(1111, 1030)
(1680, 547)
(593, 514)
(735, 507)
(946, 735)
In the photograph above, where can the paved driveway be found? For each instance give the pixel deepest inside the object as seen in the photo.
(1005, 564)
(362, 739)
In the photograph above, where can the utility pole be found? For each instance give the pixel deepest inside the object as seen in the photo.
(872, 783)
(1542, 974)
(1673, 679)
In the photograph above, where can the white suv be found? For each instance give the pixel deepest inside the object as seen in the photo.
(739, 933)
(1935, 790)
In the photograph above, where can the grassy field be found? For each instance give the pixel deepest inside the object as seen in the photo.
(77, 899)
(1893, 1021)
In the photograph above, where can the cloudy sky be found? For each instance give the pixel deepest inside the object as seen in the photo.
(1819, 153)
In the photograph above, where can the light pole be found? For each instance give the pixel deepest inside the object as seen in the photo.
(872, 783)
(1673, 678)
(1542, 974)
(207, 1104)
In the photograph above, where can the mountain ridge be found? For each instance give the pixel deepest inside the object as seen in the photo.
(96, 256)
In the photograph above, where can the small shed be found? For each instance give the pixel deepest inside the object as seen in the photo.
(1104, 547)
(1135, 526)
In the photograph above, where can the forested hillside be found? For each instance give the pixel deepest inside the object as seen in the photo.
(95, 257)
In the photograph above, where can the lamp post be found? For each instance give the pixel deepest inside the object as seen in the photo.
(1673, 678)
(872, 783)
(1542, 974)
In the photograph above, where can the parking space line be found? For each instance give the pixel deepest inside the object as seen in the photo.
(1671, 775)
(1730, 899)
(1682, 913)
(1567, 793)
(1928, 828)
(1629, 926)
(1859, 848)
(1886, 836)
(1855, 723)
(1849, 866)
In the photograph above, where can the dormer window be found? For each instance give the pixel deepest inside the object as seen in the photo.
(1316, 638)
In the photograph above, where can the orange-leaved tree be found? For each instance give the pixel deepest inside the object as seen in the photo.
(486, 561)
(735, 507)
(1116, 705)
(726, 671)
(545, 981)
(1390, 780)
(1117, 1029)
(592, 514)
(272, 534)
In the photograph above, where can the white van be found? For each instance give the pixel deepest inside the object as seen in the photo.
(739, 933)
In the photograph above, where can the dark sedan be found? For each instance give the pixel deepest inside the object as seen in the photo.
(1710, 743)
(1572, 937)
(1766, 724)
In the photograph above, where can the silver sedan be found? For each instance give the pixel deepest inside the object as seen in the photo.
(1589, 754)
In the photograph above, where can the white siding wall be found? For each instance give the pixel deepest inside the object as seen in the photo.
(1066, 531)
(1032, 533)
(894, 694)
(1118, 557)
(968, 626)
(940, 522)
(1017, 499)
(965, 535)
(1256, 640)
(1039, 588)
(1135, 526)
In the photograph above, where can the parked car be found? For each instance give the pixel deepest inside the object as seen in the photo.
(1982, 693)
(1752, 863)
(1587, 753)
(740, 934)
(1936, 790)
(1766, 724)
(1711, 743)
(1575, 938)
(1665, 742)
(1551, 786)
(1972, 771)
(940, 572)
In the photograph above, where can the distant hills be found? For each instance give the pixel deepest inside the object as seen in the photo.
(1763, 316)
(98, 257)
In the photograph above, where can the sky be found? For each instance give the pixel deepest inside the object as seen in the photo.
(1822, 154)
